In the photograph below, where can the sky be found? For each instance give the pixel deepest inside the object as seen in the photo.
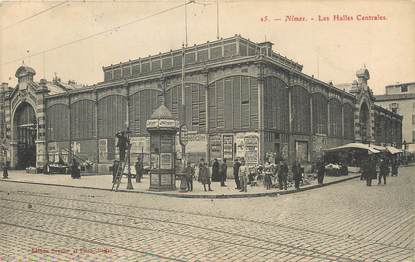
(330, 50)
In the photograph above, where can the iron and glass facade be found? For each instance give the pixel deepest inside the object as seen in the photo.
(241, 99)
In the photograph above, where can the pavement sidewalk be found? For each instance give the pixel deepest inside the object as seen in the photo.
(104, 182)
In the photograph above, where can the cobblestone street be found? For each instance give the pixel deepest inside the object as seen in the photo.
(341, 222)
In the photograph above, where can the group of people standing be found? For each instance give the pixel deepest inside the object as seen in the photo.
(385, 165)
(269, 172)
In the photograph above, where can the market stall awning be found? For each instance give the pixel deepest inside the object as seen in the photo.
(352, 146)
(393, 150)
(379, 148)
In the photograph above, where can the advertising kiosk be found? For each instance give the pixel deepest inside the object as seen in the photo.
(162, 128)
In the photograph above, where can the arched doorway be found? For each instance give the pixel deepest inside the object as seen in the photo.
(364, 124)
(25, 126)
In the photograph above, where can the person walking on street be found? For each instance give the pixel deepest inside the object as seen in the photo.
(138, 170)
(296, 169)
(236, 166)
(190, 173)
(363, 169)
(282, 175)
(5, 169)
(243, 171)
(215, 171)
(395, 167)
(223, 172)
(383, 170)
(370, 171)
(204, 175)
(321, 170)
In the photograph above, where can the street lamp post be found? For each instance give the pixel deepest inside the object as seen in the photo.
(129, 183)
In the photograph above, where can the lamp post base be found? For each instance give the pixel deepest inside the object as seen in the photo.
(129, 183)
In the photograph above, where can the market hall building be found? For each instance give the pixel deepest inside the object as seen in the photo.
(242, 99)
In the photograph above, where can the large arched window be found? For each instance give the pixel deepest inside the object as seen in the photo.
(276, 104)
(319, 113)
(300, 108)
(25, 126)
(348, 113)
(112, 115)
(57, 122)
(335, 120)
(83, 120)
(142, 105)
(233, 103)
(195, 101)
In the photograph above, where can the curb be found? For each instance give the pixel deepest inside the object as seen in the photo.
(222, 196)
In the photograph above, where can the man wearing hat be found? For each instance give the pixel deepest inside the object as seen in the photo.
(383, 170)
(122, 144)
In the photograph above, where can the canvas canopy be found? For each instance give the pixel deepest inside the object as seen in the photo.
(393, 150)
(352, 146)
(379, 148)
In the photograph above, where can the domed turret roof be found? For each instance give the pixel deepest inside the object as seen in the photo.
(25, 70)
(363, 73)
(162, 112)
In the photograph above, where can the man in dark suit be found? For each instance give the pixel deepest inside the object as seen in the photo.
(190, 173)
(236, 165)
(370, 172)
(282, 175)
(383, 170)
(223, 172)
(122, 144)
(215, 171)
(297, 175)
(321, 170)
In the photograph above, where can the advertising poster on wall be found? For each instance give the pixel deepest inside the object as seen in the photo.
(140, 144)
(76, 147)
(52, 147)
(166, 144)
(284, 150)
(196, 142)
(251, 150)
(228, 147)
(166, 161)
(240, 146)
(103, 149)
(301, 151)
(215, 146)
(154, 161)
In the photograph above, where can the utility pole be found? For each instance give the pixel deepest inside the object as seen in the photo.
(184, 46)
(185, 20)
(129, 183)
(217, 19)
